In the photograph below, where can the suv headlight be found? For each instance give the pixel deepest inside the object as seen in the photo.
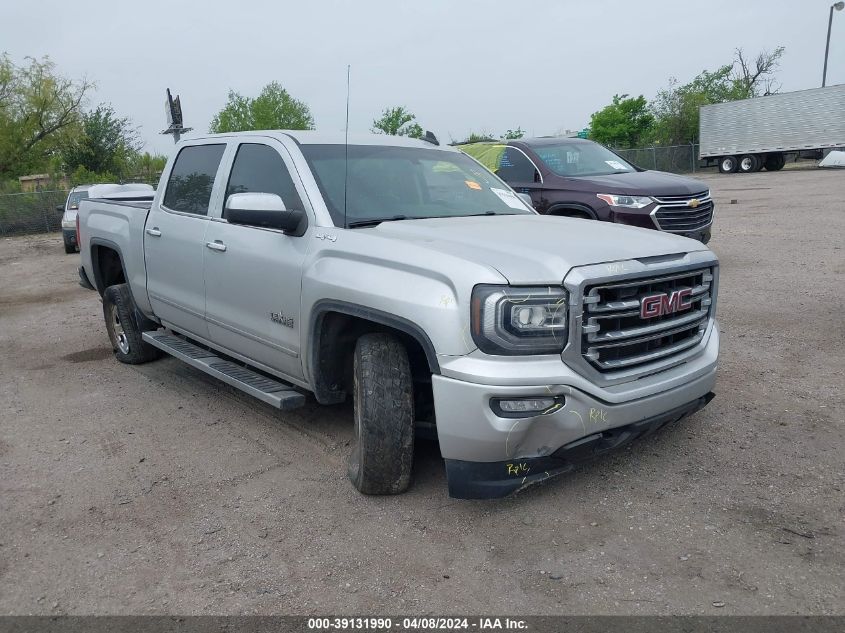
(627, 202)
(515, 321)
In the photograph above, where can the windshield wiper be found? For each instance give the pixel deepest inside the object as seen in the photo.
(375, 221)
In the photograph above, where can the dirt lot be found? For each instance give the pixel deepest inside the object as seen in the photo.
(153, 489)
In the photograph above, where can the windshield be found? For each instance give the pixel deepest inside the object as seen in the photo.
(74, 198)
(582, 159)
(387, 183)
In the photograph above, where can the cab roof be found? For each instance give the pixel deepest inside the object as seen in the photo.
(314, 137)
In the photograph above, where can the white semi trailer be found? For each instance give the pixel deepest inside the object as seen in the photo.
(748, 135)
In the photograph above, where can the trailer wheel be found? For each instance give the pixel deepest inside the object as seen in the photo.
(748, 163)
(728, 164)
(775, 162)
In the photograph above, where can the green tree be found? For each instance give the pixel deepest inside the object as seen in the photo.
(147, 167)
(676, 108)
(512, 135)
(39, 111)
(626, 122)
(397, 121)
(107, 143)
(273, 109)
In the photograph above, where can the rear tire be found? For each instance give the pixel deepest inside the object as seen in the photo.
(122, 327)
(775, 162)
(748, 164)
(383, 451)
(728, 164)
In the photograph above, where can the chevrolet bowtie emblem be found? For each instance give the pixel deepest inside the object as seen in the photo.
(693, 203)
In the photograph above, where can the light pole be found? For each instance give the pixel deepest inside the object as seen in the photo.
(838, 6)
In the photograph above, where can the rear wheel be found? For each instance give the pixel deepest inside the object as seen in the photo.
(728, 164)
(383, 451)
(122, 327)
(748, 163)
(775, 162)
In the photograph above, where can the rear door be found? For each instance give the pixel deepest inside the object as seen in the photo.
(516, 169)
(253, 275)
(174, 244)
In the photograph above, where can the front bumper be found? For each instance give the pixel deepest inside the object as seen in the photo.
(490, 480)
(488, 455)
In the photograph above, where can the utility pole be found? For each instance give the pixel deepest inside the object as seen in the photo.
(838, 6)
(173, 110)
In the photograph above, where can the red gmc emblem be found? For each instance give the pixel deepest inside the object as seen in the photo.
(657, 305)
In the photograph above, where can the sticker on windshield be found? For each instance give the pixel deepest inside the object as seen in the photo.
(473, 185)
(616, 165)
(509, 198)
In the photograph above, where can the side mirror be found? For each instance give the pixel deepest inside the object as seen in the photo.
(60, 208)
(264, 210)
(526, 199)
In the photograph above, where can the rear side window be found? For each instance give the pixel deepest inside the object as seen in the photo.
(260, 169)
(74, 198)
(514, 166)
(192, 178)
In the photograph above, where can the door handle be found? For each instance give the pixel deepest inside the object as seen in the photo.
(216, 245)
(154, 232)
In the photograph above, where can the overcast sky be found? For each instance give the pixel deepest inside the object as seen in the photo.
(459, 65)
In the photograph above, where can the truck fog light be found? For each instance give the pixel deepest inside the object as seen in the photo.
(524, 407)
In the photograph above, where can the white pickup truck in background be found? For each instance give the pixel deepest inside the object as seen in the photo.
(406, 276)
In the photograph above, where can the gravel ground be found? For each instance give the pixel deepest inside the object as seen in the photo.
(154, 489)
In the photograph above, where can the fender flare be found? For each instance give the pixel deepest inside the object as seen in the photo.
(143, 321)
(571, 206)
(325, 306)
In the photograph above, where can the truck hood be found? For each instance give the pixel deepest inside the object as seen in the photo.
(639, 183)
(535, 249)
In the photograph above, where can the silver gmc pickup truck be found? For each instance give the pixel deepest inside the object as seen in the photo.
(405, 276)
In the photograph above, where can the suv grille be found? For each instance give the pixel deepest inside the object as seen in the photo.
(614, 336)
(674, 213)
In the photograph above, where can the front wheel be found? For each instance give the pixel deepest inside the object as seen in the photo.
(122, 327)
(383, 451)
(69, 248)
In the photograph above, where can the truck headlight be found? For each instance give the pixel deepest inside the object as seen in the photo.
(626, 202)
(514, 321)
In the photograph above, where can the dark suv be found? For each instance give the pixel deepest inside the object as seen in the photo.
(579, 178)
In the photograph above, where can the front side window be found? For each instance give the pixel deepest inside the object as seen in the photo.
(260, 169)
(383, 182)
(192, 179)
(514, 166)
(582, 159)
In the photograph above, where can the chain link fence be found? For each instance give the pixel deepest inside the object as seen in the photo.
(31, 212)
(679, 159)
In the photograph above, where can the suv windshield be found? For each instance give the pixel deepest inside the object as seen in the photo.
(74, 198)
(582, 159)
(389, 183)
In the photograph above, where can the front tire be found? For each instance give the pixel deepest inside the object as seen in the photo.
(383, 451)
(70, 248)
(122, 327)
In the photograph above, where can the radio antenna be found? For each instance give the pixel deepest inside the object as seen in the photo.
(346, 147)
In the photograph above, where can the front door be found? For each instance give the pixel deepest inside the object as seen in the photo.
(253, 275)
(174, 239)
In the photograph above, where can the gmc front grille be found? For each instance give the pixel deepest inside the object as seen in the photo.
(615, 337)
(679, 214)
